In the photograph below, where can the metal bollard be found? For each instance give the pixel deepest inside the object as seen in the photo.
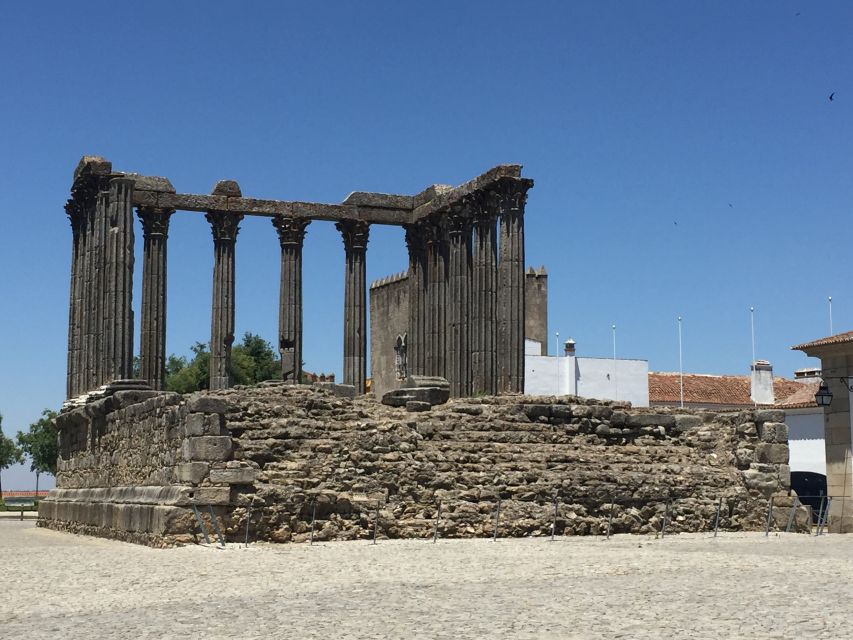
(437, 518)
(376, 522)
(313, 517)
(554, 524)
(769, 516)
(717, 519)
(610, 518)
(497, 522)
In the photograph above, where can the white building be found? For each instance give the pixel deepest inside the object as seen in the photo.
(602, 378)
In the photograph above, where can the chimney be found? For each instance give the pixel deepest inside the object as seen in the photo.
(569, 347)
(762, 382)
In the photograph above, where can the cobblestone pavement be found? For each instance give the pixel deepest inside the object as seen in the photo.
(688, 586)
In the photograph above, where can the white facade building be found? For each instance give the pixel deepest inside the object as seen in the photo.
(602, 378)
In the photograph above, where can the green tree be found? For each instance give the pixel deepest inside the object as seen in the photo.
(252, 361)
(9, 454)
(40, 445)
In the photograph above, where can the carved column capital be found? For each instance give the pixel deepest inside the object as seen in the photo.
(509, 195)
(459, 218)
(155, 221)
(224, 225)
(416, 238)
(291, 230)
(355, 233)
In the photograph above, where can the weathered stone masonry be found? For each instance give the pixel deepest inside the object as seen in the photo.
(460, 275)
(133, 464)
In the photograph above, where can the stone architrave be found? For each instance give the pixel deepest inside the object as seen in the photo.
(458, 299)
(355, 234)
(417, 283)
(511, 195)
(225, 225)
(291, 235)
(152, 349)
(484, 297)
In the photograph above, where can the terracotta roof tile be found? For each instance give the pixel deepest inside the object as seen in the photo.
(801, 398)
(713, 390)
(838, 338)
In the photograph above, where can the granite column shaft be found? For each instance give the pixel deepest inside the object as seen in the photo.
(511, 195)
(355, 234)
(225, 226)
(418, 304)
(291, 234)
(155, 231)
(458, 301)
(484, 301)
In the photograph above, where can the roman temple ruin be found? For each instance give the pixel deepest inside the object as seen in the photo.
(466, 257)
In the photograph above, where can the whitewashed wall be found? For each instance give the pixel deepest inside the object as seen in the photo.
(806, 440)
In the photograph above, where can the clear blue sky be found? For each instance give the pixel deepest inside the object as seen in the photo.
(631, 117)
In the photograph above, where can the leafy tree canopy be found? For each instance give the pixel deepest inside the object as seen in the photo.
(40, 444)
(252, 361)
(9, 453)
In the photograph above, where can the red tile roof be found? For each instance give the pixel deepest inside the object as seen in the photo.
(701, 389)
(838, 338)
(801, 398)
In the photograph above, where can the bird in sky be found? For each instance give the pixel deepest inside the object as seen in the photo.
(730, 206)
(832, 96)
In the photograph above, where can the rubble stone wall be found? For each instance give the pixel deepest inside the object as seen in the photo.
(282, 455)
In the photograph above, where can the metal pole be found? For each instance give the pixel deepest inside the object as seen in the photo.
(497, 521)
(376, 522)
(793, 511)
(610, 518)
(201, 524)
(248, 518)
(313, 517)
(820, 512)
(769, 515)
(823, 520)
(665, 516)
(554, 524)
(215, 525)
(717, 519)
(680, 367)
(615, 383)
(752, 330)
(830, 315)
(437, 518)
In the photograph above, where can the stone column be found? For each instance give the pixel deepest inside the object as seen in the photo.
(225, 225)
(355, 310)
(484, 298)
(437, 278)
(511, 196)
(291, 234)
(76, 216)
(458, 300)
(417, 283)
(117, 361)
(97, 303)
(152, 349)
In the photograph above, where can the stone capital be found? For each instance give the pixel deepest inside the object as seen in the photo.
(459, 218)
(416, 238)
(509, 195)
(155, 221)
(355, 233)
(224, 225)
(291, 229)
